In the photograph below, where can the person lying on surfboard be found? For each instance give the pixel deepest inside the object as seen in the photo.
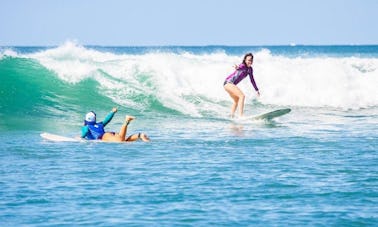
(241, 72)
(93, 130)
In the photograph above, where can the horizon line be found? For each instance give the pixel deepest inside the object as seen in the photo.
(181, 45)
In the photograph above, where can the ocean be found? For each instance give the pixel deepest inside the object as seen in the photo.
(316, 166)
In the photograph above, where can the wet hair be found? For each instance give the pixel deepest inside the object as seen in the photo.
(245, 57)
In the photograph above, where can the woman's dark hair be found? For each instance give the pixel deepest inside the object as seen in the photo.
(245, 57)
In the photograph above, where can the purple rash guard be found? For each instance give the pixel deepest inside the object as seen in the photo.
(240, 73)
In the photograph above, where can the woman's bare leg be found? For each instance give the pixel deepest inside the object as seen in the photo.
(238, 97)
(234, 105)
(120, 137)
(135, 137)
(144, 137)
(241, 104)
(123, 130)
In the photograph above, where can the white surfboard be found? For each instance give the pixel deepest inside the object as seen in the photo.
(58, 138)
(270, 115)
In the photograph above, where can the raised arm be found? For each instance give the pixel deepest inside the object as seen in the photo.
(109, 117)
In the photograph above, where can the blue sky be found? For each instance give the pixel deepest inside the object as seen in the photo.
(192, 22)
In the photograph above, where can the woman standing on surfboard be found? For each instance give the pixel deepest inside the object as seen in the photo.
(93, 130)
(241, 72)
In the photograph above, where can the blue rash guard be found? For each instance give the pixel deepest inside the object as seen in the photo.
(240, 73)
(94, 131)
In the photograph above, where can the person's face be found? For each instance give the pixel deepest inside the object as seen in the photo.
(249, 61)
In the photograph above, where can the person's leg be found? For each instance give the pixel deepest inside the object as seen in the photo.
(135, 137)
(238, 97)
(234, 105)
(144, 137)
(120, 137)
(229, 88)
(123, 130)
(110, 137)
(241, 104)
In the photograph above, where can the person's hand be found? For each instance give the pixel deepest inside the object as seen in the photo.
(236, 66)
(115, 109)
(258, 93)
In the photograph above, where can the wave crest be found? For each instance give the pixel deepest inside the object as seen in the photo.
(192, 83)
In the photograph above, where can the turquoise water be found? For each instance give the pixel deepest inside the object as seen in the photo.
(314, 166)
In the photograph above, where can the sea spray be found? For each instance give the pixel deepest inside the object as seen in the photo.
(189, 83)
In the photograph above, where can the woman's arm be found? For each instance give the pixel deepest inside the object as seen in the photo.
(254, 83)
(109, 117)
(84, 131)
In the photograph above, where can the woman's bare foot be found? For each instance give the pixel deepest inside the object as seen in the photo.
(144, 137)
(129, 118)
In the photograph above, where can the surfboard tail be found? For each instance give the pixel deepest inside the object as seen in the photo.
(57, 138)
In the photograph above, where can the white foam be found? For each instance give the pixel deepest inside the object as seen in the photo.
(71, 62)
(318, 82)
(8, 52)
(193, 84)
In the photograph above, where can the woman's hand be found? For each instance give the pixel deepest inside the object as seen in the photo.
(258, 93)
(115, 109)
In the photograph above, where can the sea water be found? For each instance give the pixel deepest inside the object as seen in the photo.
(317, 165)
